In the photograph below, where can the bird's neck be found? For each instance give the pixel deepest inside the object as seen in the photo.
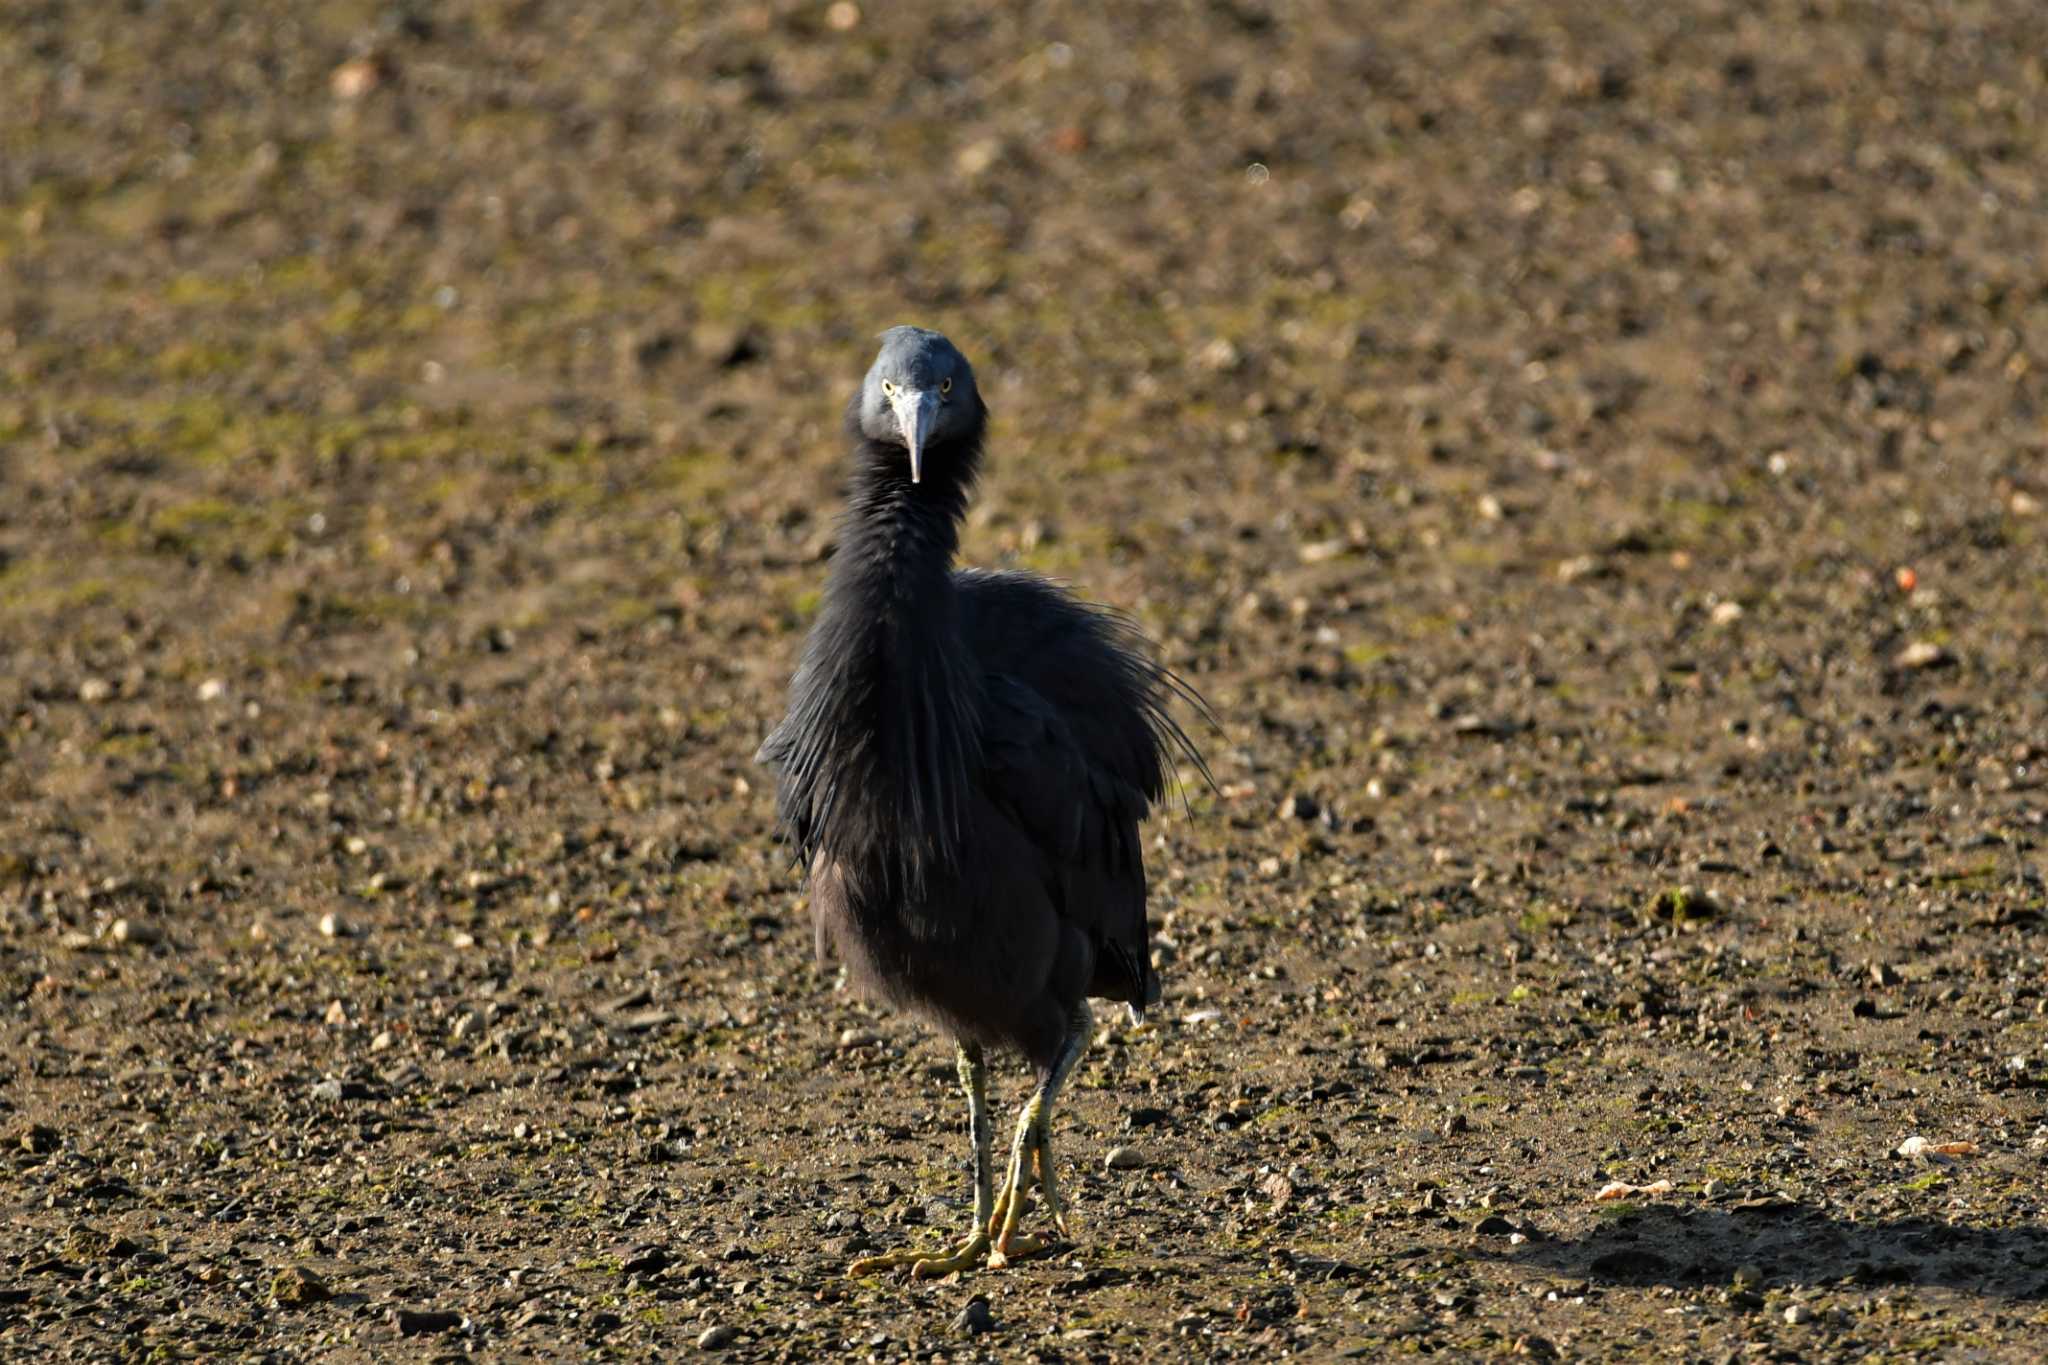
(898, 538)
(883, 498)
(893, 683)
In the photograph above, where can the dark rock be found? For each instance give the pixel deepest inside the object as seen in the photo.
(415, 1322)
(975, 1318)
(643, 1260)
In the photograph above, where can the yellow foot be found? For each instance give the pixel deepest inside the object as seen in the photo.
(926, 1265)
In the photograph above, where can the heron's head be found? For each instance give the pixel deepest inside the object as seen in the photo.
(920, 395)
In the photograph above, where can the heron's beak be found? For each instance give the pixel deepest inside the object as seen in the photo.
(915, 413)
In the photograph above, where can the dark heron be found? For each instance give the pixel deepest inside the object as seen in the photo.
(963, 769)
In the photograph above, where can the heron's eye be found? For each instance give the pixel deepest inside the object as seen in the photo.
(945, 385)
(888, 388)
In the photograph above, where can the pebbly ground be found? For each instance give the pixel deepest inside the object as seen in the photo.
(1591, 460)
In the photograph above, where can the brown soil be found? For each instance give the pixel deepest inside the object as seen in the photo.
(1582, 452)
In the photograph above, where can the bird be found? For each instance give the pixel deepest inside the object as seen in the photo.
(965, 761)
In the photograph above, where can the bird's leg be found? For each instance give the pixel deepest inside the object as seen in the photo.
(1034, 1144)
(1010, 1202)
(970, 1252)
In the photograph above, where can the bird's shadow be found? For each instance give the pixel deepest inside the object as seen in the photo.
(1796, 1244)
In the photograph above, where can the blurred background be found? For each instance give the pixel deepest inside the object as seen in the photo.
(1579, 450)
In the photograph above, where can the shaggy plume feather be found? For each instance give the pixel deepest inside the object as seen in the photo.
(882, 738)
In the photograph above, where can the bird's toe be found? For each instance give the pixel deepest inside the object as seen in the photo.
(923, 1262)
(1021, 1246)
(968, 1255)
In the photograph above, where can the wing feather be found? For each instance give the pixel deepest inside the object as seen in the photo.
(1078, 744)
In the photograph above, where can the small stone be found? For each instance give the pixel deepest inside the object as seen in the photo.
(717, 1337)
(94, 690)
(1322, 551)
(333, 926)
(337, 1014)
(414, 1322)
(327, 1091)
(1749, 1276)
(975, 1318)
(135, 931)
(464, 1023)
(1124, 1158)
(2023, 503)
(842, 16)
(1725, 613)
(462, 938)
(354, 78)
(854, 1039)
(213, 689)
(1495, 1226)
(38, 1139)
(1578, 567)
(1883, 974)
(298, 1285)
(977, 157)
(1923, 654)
(383, 1040)
(1798, 1313)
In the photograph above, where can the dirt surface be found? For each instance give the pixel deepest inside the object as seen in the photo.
(1591, 457)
